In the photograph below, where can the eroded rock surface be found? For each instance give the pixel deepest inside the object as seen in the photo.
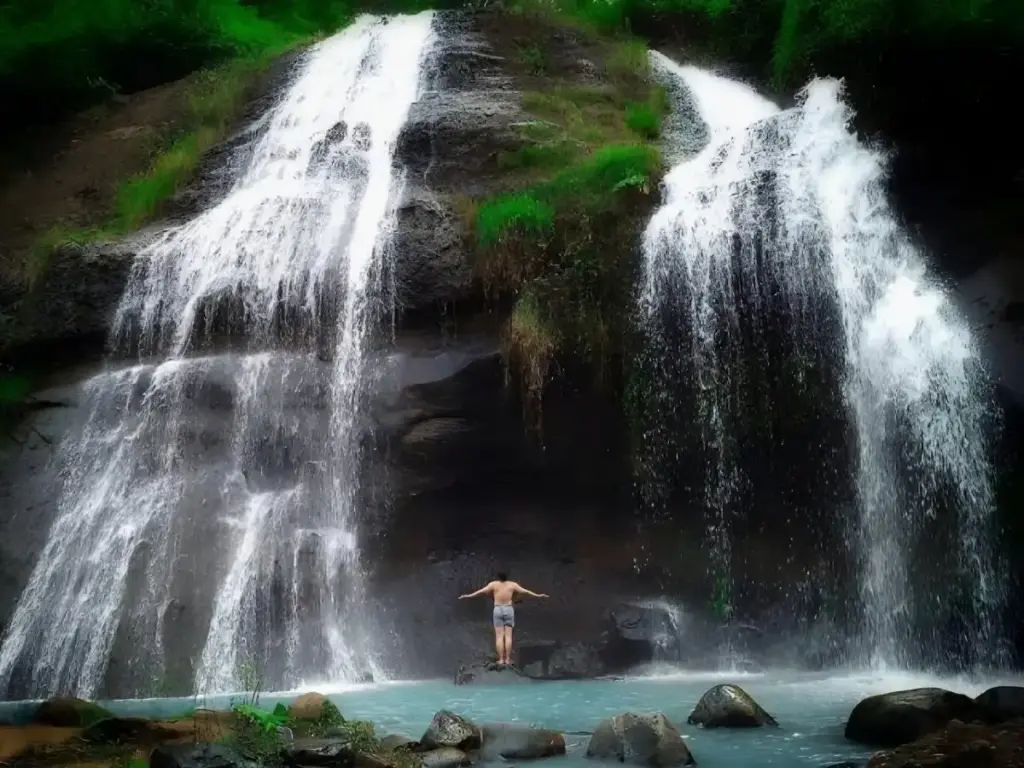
(640, 739)
(729, 706)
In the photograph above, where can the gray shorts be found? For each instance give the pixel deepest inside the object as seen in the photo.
(504, 616)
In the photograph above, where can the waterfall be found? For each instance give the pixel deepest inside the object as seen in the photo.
(218, 493)
(776, 251)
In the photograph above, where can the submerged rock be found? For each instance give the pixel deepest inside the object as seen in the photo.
(393, 741)
(69, 712)
(729, 706)
(647, 739)
(1004, 702)
(197, 756)
(892, 719)
(521, 742)
(445, 757)
(490, 674)
(959, 745)
(448, 729)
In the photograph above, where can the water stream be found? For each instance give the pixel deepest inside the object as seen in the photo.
(777, 246)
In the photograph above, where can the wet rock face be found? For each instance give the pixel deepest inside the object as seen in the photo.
(647, 739)
(892, 719)
(729, 706)
(959, 745)
(490, 674)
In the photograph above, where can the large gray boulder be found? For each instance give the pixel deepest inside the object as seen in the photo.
(520, 742)
(900, 717)
(729, 706)
(448, 729)
(640, 739)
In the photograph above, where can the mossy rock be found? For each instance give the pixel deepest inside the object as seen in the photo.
(69, 712)
(309, 706)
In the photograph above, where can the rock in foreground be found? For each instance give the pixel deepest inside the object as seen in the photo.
(893, 719)
(729, 706)
(69, 712)
(448, 729)
(1004, 702)
(197, 756)
(309, 706)
(648, 739)
(490, 674)
(960, 746)
(520, 742)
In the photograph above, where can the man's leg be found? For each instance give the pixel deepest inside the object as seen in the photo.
(508, 645)
(499, 643)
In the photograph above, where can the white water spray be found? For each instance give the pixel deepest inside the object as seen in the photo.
(263, 509)
(911, 375)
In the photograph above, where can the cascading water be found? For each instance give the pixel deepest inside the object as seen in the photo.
(220, 494)
(776, 249)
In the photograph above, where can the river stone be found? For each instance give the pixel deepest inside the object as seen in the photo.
(393, 741)
(448, 729)
(336, 753)
(309, 706)
(445, 757)
(197, 756)
(521, 742)
(490, 674)
(69, 712)
(644, 739)
(1004, 702)
(729, 706)
(900, 717)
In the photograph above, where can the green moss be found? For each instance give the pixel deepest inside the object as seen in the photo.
(513, 217)
(643, 120)
(530, 343)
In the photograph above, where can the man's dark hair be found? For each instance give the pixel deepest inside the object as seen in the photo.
(502, 576)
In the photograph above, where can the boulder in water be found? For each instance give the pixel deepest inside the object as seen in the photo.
(309, 706)
(69, 712)
(197, 756)
(1004, 702)
(490, 674)
(393, 741)
(445, 757)
(646, 739)
(729, 706)
(448, 729)
(520, 742)
(900, 717)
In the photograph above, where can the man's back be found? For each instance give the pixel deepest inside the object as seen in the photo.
(503, 591)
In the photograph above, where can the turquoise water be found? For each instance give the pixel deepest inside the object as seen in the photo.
(811, 709)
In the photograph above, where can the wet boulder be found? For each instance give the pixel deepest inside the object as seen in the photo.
(640, 739)
(309, 706)
(490, 674)
(393, 741)
(197, 756)
(1004, 702)
(520, 742)
(729, 706)
(445, 757)
(900, 717)
(448, 729)
(69, 712)
(332, 752)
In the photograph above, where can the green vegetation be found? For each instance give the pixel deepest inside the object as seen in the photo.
(560, 245)
(788, 36)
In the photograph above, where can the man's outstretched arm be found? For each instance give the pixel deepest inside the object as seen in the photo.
(482, 591)
(520, 589)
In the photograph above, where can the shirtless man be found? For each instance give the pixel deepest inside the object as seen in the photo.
(504, 614)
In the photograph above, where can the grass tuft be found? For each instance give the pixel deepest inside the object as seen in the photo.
(643, 120)
(530, 343)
